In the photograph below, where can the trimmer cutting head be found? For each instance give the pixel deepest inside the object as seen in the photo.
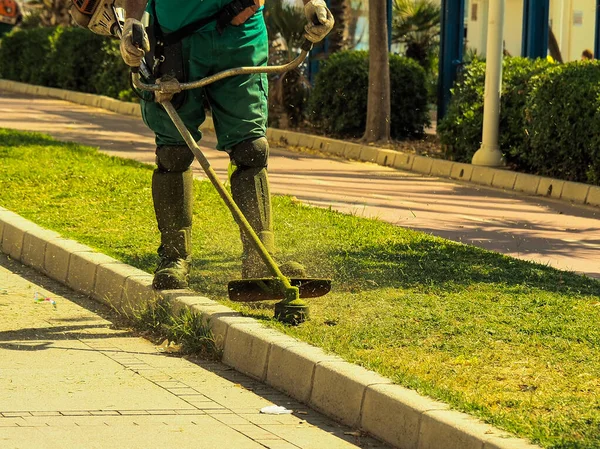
(264, 289)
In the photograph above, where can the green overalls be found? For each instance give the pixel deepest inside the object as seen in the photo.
(239, 103)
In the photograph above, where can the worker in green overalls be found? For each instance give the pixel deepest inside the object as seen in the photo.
(204, 37)
(10, 16)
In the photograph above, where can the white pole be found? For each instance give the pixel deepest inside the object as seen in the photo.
(562, 20)
(489, 154)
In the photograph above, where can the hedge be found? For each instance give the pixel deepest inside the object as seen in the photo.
(460, 129)
(24, 54)
(338, 101)
(563, 123)
(67, 58)
(549, 117)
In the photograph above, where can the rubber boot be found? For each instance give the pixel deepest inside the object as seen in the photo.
(173, 202)
(250, 190)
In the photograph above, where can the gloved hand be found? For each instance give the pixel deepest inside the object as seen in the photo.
(317, 11)
(131, 54)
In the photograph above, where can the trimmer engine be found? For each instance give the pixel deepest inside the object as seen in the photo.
(99, 16)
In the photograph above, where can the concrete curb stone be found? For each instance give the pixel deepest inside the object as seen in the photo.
(291, 138)
(247, 348)
(369, 154)
(527, 183)
(441, 168)
(504, 180)
(83, 267)
(575, 192)
(386, 157)
(403, 161)
(137, 294)
(34, 247)
(461, 172)
(487, 176)
(182, 300)
(337, 148)
(352, 151)
(482, 175)
(594, 196)
(57, 256)
(218, 317)
(110, 282)
(306, 140)
(13, 236)
(292, 365)
(396, 413)
(458, 430)
(550, 187)
(338, 390)
(422, 164)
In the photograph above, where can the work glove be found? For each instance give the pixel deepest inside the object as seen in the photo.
(320, 20)
(131, 53)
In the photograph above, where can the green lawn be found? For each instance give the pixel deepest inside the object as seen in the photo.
(514, 343)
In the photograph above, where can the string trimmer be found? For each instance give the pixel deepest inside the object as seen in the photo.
(101, 17)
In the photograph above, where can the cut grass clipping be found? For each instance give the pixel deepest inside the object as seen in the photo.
(187, 329)
(514, 343)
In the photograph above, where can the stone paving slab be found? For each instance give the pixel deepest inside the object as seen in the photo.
(70, 379)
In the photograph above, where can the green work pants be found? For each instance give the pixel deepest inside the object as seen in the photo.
(238, 104)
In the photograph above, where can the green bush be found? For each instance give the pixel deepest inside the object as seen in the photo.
(514, 139)
(112, 75)
(338, 101)
(75, 58)
(67, 58)
(562, 118)
(549, 115)
(460, 129)
(23, 55)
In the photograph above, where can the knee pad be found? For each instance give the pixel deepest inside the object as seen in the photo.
(250, 183)
(173, 158)
(252, 153)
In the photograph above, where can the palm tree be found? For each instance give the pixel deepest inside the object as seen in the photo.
(354, 11)
(416, 25)
(379, 95)
(287, 92)
(338, 9)
(51, 12)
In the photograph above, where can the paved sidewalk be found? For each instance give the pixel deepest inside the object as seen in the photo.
(532, 228)
(70, 379)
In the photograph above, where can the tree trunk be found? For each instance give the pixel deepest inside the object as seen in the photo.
(553, 47)
(56, 12)
(379, 102)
